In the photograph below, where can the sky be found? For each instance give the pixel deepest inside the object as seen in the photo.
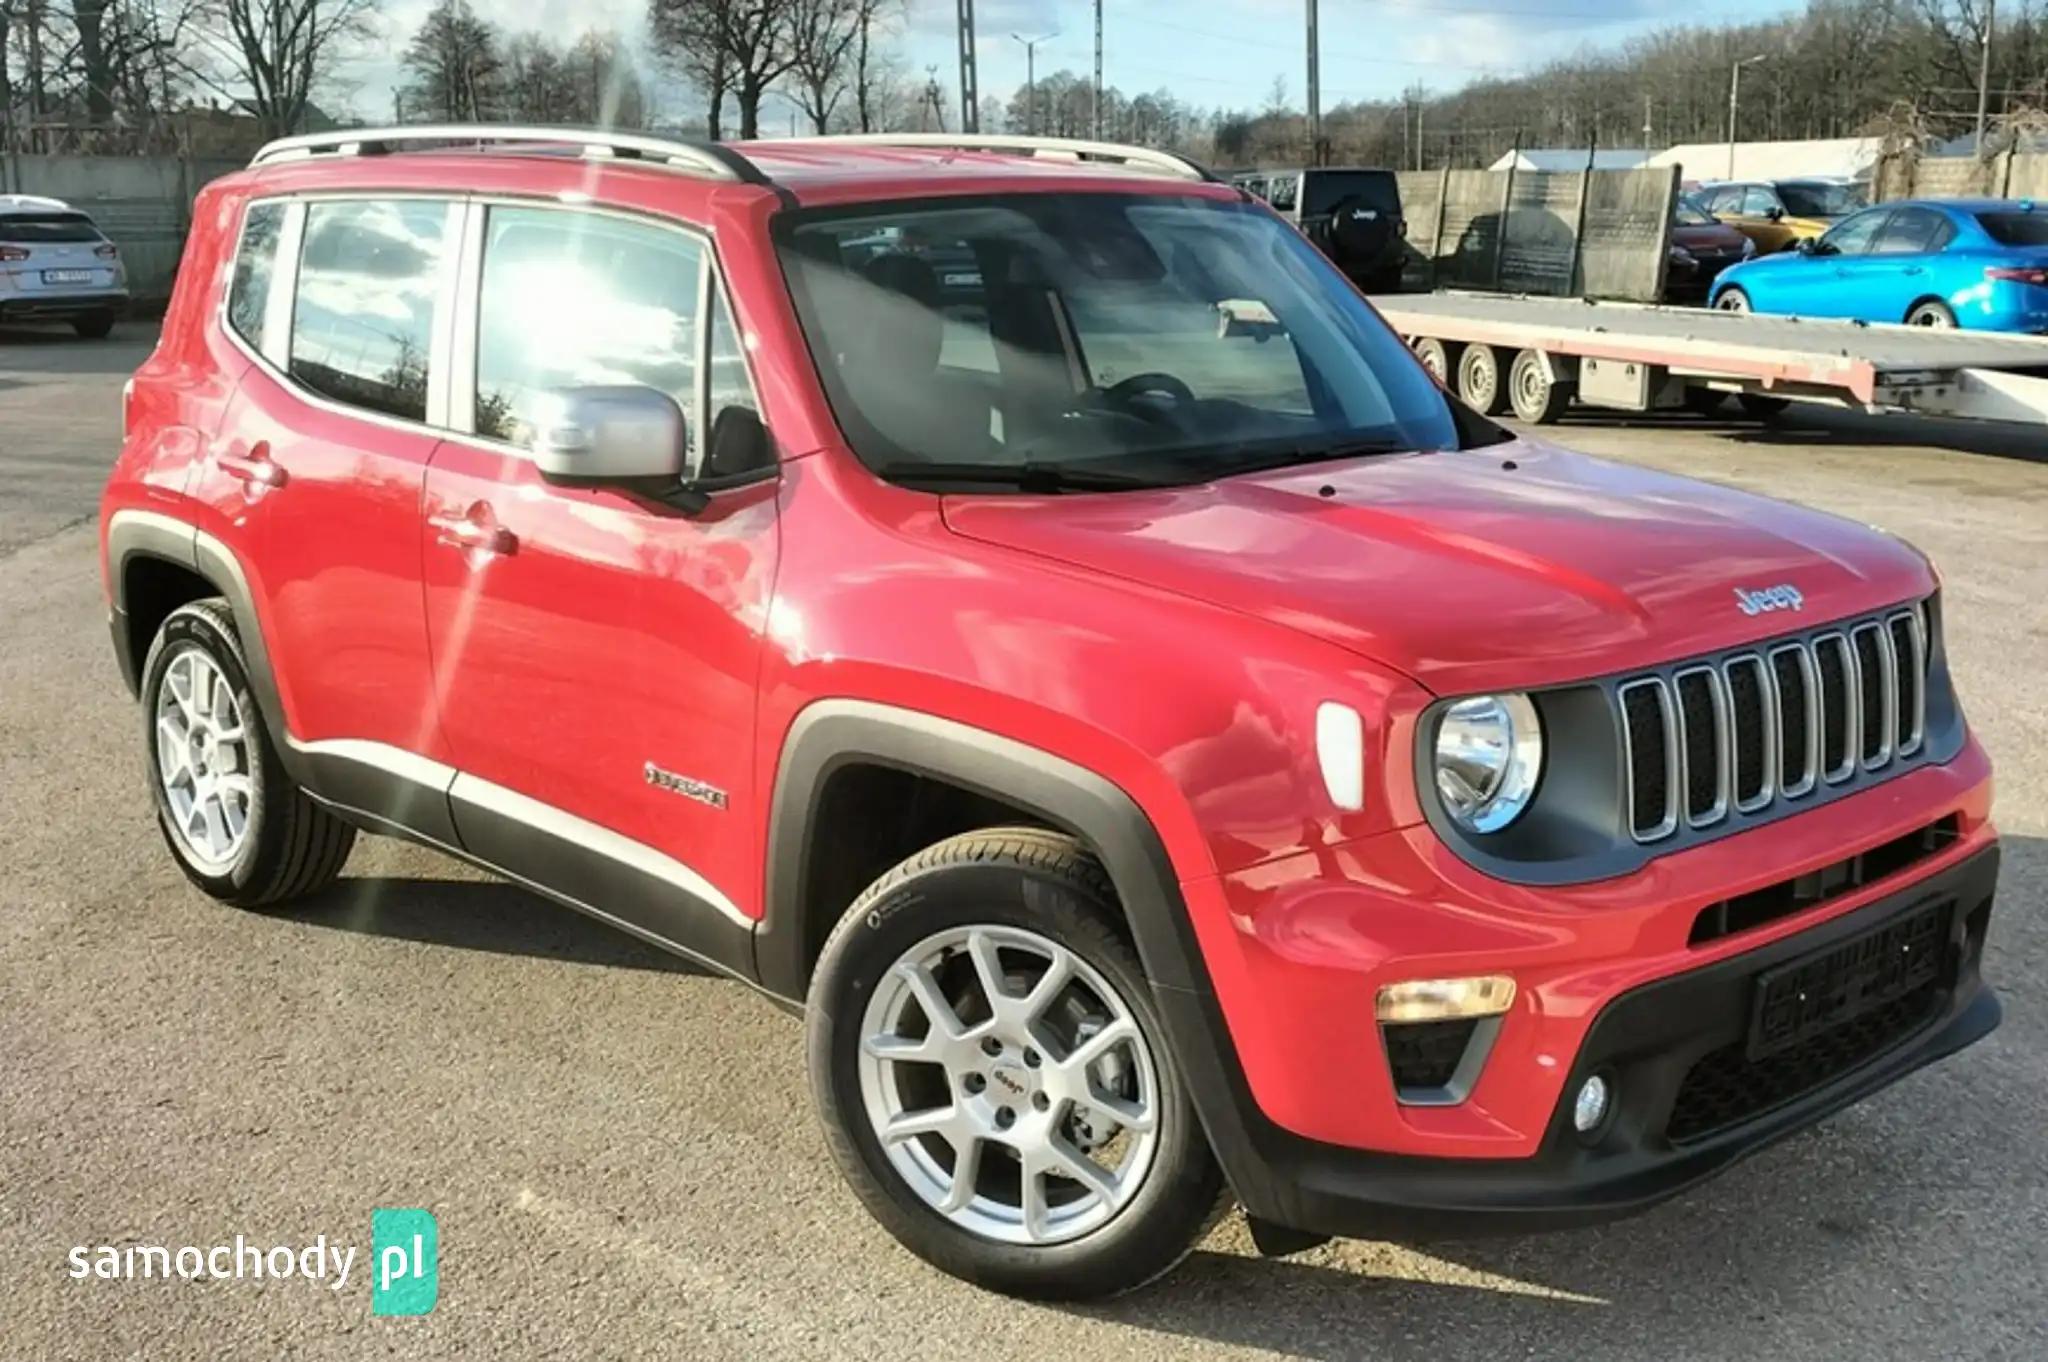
(1214, 53)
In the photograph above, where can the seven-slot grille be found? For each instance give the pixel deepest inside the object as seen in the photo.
(1736, 734)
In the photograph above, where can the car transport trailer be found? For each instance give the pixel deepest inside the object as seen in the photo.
(1535, 356)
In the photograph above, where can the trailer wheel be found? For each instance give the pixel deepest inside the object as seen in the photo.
(1761, 406)
(1537, 397)
(1479, 380)
(1439, 357)
(1705, 401)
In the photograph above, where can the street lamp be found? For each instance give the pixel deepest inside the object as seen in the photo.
(1734, 98)
(1031, 76)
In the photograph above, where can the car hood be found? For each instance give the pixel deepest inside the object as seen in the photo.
(1516, 565)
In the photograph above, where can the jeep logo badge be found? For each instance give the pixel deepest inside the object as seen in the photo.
(1008, 1081)
(1784, 596)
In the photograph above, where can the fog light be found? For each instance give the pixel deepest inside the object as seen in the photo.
(1421, 1000)
(1589, 1108)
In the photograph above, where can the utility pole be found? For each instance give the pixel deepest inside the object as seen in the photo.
(1095, 104)
(1031, 77)
(970, 100)
(1734, 101)
(1647, 134)
(1315, 90)
(1984, 71)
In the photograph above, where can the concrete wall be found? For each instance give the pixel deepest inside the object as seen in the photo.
(1599, 235)
(1999, 176)
(142, 203)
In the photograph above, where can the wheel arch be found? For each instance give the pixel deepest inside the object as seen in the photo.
(152, 560)
(832, 739)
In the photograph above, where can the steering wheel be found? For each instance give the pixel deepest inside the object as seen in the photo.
(1166, 385)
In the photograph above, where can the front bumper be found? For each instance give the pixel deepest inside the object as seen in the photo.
(1646, 1041)
(1295, 1091)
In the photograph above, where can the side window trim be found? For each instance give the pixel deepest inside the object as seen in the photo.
(284, 287)
(466, 313)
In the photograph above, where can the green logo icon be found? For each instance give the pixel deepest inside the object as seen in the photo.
(405, 1246)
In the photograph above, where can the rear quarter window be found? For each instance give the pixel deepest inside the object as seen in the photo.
(255, 263)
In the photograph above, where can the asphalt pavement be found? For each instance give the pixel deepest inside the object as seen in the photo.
(621, 1153)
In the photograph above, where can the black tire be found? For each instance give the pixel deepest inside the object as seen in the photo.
(94, 325)
(1439, 357)
(1932, 313)
(1761, 406)
(1479, 380)
(1043, 883)
(1535, 396)
(1732, 300)
(292, 847)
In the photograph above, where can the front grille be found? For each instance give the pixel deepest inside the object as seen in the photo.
(1754, 909)
(1737, 734)
(1727, 1087)
(1815, 1019)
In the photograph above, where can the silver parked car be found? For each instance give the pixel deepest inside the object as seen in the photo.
(56, 265)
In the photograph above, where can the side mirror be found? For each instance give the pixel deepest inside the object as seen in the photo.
(1807, 245)
(609, 434)
(1774, 213)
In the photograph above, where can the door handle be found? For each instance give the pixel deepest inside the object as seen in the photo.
(474, 532)
(256, 467)
(1915, 269)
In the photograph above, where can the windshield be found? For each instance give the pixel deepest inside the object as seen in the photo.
(1145, 338)
(47, 228)
(1821, 200)
(1690, 214)
(2016, 229)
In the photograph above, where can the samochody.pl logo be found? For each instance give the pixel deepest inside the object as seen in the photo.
(404, 1263)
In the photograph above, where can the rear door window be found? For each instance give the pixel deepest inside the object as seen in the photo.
(370, 275)
(1911, 231)
(255, 263)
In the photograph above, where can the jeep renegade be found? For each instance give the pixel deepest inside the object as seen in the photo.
(1014, 603)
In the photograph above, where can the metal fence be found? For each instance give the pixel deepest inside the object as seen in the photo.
(142, 203)
(1595, 234)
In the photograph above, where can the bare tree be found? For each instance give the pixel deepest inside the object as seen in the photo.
(686, 36)
(822, 34)
(741, 47)
(455, 64)
(280, 51)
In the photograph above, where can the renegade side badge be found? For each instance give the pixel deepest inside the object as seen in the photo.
(687, 786)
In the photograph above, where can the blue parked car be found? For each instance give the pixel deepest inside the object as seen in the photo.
(1978, 263)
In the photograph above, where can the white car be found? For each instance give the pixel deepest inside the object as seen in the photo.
(57, 265)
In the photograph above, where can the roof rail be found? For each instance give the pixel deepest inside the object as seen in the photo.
(1070, 148)
(707, 159)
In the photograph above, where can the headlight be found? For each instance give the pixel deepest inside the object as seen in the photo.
(1489, 752)
(1681, 256)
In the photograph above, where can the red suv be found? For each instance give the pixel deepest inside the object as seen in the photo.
(1015, 604)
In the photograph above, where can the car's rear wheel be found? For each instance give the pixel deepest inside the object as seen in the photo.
(993, 1077)
(1932, 313)
(94, 325)
(237, 824)
(1732, 300)
(1479, 380)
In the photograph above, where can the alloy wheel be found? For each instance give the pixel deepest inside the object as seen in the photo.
(1009, 1085)
(203, 760)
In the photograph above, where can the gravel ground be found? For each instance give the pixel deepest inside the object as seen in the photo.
(621, 1153)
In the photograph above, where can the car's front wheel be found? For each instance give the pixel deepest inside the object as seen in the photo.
(1732, 300)
(993, 1076)
(239, 827)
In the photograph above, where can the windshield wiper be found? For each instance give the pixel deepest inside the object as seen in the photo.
(1025, 477)
(1308, 454)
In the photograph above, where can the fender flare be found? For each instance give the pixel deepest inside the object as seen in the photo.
(133, 534)
(830, 734)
